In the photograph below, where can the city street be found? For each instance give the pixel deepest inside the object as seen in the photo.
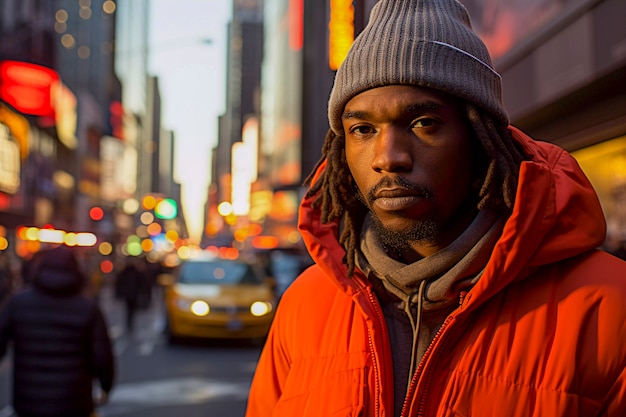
(160, 380)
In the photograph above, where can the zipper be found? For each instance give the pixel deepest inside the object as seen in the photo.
(420, 366)
(431, 371)
(381, 319)
(462, 297)
(428, 377)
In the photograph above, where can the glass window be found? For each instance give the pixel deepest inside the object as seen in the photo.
(222, 272)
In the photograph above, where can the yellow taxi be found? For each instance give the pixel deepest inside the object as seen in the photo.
(213, 297)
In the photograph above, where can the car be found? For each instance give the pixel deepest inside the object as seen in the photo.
(218, 298)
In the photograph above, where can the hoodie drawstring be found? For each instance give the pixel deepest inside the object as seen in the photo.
(416, 299)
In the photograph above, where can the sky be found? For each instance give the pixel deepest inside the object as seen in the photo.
(187, 52)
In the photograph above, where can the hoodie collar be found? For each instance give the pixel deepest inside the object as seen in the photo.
(440, 277)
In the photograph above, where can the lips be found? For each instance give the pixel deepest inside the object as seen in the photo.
(396, 199)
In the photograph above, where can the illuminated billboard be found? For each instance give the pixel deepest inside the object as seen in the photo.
(341, 31)
(28, 87)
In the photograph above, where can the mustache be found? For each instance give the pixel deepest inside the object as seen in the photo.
(401, 182)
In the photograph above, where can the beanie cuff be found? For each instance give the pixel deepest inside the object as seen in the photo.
(441, 66)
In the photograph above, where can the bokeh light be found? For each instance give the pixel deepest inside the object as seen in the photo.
(105, 248)
(148, 202)
(106, 266)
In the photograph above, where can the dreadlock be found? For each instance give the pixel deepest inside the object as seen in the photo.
(337, 194)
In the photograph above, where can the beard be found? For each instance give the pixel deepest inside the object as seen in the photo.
(398, 241)
(394, 240)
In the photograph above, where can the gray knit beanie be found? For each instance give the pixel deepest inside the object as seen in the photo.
(429, 43)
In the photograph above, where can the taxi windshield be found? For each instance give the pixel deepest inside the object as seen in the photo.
(219, 272)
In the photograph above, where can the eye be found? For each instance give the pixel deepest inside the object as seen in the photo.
(361, 130)
(424, 122)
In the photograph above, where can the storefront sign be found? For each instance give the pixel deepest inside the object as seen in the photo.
(9, 162)
(18, 128)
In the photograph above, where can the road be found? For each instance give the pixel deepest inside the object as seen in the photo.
(155, 379)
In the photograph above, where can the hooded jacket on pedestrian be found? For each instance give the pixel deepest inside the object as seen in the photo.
(556, 351)
(520, 316)
(60, 341)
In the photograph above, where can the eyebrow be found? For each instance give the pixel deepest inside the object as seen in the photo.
(424, 107)
(409, 109)
(359, 114)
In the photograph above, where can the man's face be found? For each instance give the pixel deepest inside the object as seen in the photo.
(411, 155)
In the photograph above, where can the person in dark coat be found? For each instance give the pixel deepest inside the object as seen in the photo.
(129, 287)
(60, 341)
(6, 277)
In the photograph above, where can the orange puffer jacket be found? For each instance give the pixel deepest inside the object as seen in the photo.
(542, 333)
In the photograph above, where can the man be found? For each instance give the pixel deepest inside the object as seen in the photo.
(130, 286)
(60, 341)
(456, 264)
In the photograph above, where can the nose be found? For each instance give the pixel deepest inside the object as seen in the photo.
(392, 151)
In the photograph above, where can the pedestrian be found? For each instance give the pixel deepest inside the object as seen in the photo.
(27, 270)
(6, 277)
(60, 341)
(130, 283)
(456, 270)
(152, 270)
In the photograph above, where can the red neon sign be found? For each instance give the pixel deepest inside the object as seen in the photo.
(28, 87)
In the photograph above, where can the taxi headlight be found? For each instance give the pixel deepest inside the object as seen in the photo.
(200, 308)
(197, 307)
(260, 308)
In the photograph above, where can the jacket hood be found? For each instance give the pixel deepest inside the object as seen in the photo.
(556, 215)
(57, 272)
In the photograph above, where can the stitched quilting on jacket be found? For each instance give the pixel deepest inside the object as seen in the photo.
(541, 334)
